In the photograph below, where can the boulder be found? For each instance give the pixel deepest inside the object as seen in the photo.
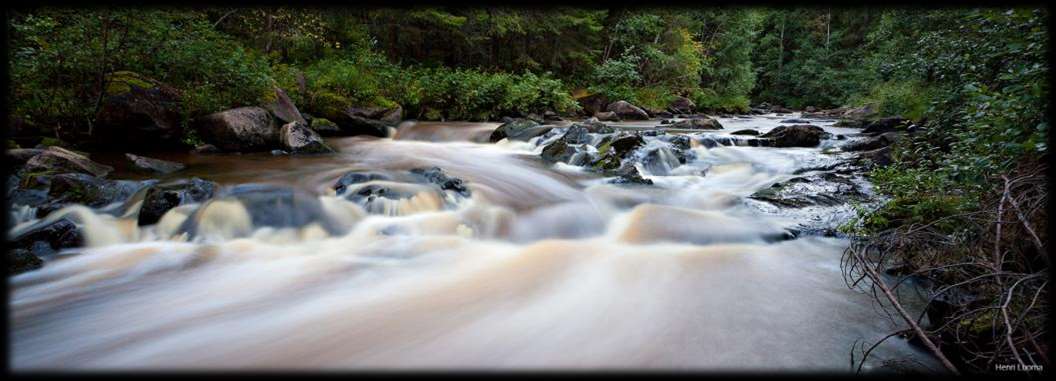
(799, 135)
(160, 198)
(626, 110)
(78, 188)
(796, 121)
(746, 132)
(392, 116)
(325, 127)
(284, 109)
(682, 105)
(824, 189)
(698, 123)
(437, 176)
(243, 129)
(357, 177)
(137, 110)
(565, 148)
(296, 137)
(517, 129)
(631, 176)
(613, 149)
(146, 164)
(60, 160)
(607, 116)
(266, 205)
(368, 188)
(810, 109)
(41, 240)
(551, 116)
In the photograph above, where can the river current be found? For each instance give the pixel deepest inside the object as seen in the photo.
(542, 266)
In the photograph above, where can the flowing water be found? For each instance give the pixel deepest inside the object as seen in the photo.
(541, 267)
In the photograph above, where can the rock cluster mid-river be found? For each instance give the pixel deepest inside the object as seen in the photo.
(496, 260)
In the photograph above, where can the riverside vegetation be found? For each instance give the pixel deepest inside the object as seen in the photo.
(953, 103)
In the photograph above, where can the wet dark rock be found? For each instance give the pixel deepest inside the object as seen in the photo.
(279, 152)
(284, 109)
(746, 132)
(626, 110)
(667, 121)
(799, 135)
(60, 160)
(358, 177)
(78, 188)
(296, 137)
(795, 121)
(825, 189)
(151, 165)
(607, 116)
(269, 206)
(42, 240)
(613, 149)
(242, 129)
(704, 123)
(677, 141)
(883, 125)
(160, 198)
(438, 177)
(631, 176)
(565, 147)
(682, 105)
(874, 142)
(517, 129)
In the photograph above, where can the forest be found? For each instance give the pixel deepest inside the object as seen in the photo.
(963, 186)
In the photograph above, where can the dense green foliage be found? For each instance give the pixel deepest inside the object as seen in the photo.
(979, 79)
(61, 61)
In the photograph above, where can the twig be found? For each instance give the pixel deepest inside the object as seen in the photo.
(879, 282)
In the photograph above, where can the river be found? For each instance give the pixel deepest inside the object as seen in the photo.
(540, 267)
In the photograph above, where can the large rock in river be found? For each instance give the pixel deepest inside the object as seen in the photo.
(518, 129)
(626, 110)
(60, 160)
(42, 239)
(240, 129)
(78, 188)
(296, 137)
(800, 135)
(160, 198)
(703, 123)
